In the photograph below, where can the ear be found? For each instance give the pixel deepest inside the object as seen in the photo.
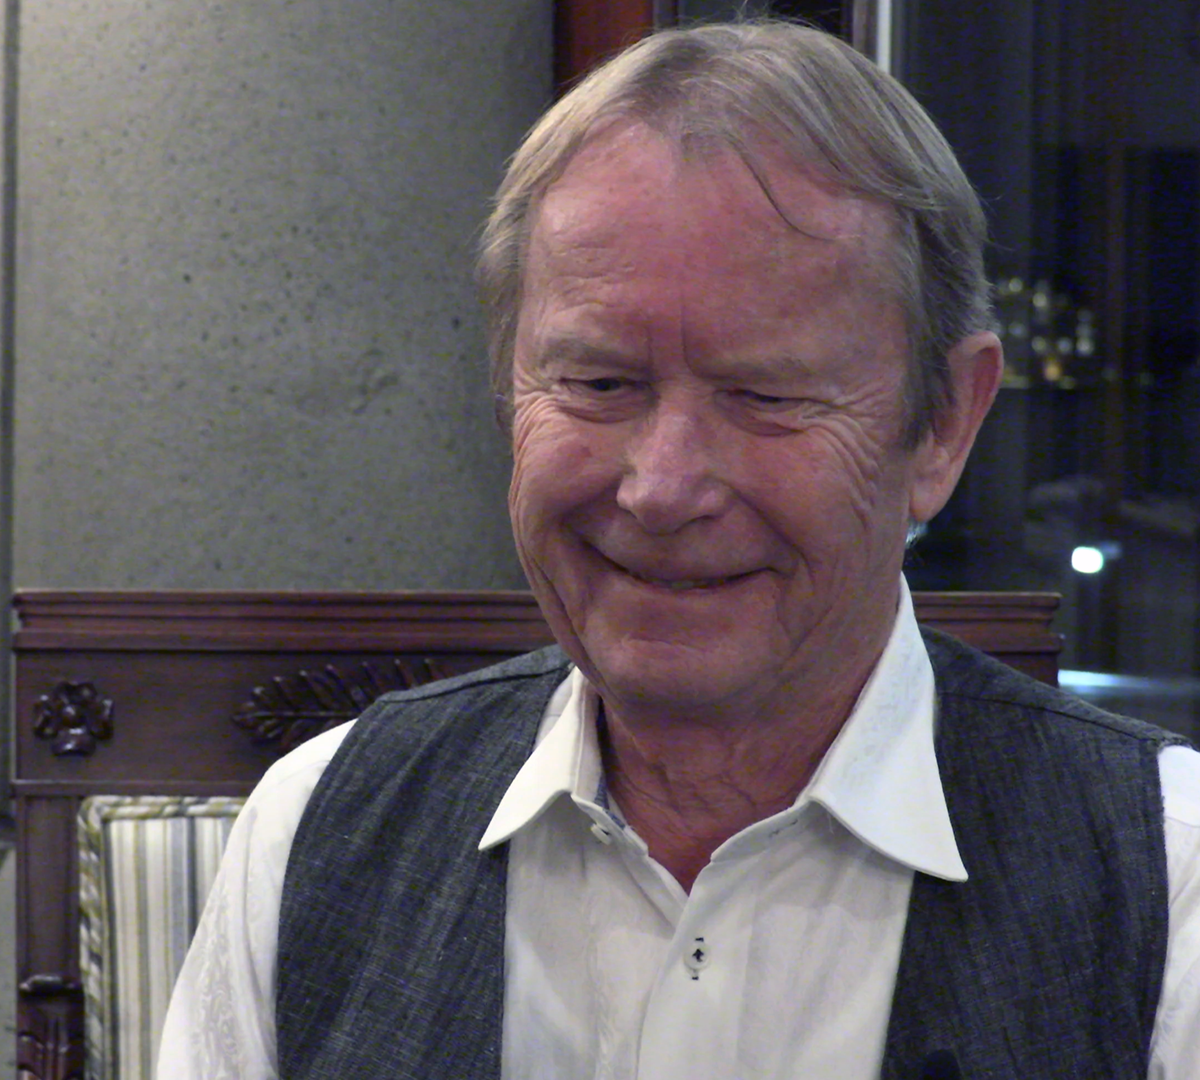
(976, 364)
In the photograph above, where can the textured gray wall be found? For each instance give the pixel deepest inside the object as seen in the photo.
(248, 349)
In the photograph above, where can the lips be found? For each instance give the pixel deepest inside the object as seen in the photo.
(684, 584)
(681, 580)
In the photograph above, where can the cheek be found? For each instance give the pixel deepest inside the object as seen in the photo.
(554, 472)
(832, 498)
(533, 505)
(554, 476)
(527, 495)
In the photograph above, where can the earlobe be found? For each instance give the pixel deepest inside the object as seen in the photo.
(976, 364)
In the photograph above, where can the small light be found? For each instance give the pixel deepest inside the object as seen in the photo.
(1087, 560)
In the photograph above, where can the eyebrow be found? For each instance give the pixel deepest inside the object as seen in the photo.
(569, 349)
(573, 350)
(756, 368)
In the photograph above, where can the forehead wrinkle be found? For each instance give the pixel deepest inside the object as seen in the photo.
(777, 333)
(807, 224)
(791, 199)
(789, 207)
(832, 241)
(860, 235)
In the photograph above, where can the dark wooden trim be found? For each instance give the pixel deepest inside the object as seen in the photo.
(999, 622)
(50, 1043)
(107, 621)
(587, 32)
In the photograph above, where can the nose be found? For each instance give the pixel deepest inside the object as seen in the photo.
(672, 470)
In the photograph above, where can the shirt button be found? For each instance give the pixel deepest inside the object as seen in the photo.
(601, 833)
(697, 957)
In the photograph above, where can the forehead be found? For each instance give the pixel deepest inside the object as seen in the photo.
(638, 224)
(632, 183)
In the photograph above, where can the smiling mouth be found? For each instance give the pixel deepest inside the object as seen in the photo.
(685, 584)
(677, 585)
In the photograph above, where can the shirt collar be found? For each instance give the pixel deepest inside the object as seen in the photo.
(879, 778)
(565, 761)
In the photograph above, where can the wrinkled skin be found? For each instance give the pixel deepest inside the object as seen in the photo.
(711, 492)
(710, 495)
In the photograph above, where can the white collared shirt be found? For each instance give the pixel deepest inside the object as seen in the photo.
(780, 963)
(781, 960)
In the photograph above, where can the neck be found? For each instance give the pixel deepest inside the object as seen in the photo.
(687, 786)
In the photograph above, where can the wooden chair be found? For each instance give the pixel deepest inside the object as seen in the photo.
(195, 694)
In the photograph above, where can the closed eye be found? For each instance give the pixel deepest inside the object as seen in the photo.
(764, 401)
(602, 397)
(605, 384)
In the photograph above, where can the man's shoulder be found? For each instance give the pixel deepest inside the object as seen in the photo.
(387, 854)
(973, 684)
(504, 677)
(512, 687)
(473, 725)
(1057, 810)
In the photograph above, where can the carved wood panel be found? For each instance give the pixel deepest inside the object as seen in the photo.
(50, 1042)
(292, 708)
(75, 715)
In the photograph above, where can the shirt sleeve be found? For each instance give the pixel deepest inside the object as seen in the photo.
(1175, 1046)
(220, 1023)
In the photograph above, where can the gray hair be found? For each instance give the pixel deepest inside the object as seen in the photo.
(764, 82)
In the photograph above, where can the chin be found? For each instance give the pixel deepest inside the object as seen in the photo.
(666, 676)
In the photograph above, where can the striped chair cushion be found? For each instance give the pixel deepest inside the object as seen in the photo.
(146, 864)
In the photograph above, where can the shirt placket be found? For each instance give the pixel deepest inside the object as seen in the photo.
(692, 1018)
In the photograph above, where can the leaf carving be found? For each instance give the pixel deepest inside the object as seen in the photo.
(291, 709)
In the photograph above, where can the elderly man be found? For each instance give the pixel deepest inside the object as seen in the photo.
(752, 823)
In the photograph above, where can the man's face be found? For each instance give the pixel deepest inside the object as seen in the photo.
(709, 494)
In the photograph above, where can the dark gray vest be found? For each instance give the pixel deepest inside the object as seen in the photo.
(1047, 963)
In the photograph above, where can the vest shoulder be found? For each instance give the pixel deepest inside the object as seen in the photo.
(510, 674)
(476, 713)
(982, 686)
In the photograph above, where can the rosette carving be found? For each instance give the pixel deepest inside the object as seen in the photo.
(76, 716)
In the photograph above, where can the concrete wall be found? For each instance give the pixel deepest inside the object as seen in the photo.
(248, 351)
